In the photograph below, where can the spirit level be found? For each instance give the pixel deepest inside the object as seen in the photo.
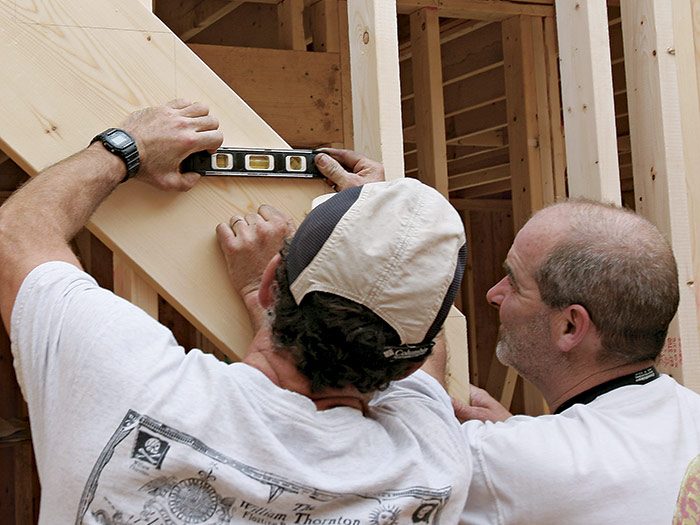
(238, 162)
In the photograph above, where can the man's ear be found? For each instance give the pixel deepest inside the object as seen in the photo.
(268, 284)
(571, 327)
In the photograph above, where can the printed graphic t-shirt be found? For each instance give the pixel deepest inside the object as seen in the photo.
(129, 429)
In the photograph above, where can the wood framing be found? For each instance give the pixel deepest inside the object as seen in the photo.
(290, 16)
(530, 130)
(478, 9)
(132, 287)
(587, 95)
(374, 66)
(280, 93)
(655, 87)
(187, 18)
(428, 101)
(377, 124)
(108, 60)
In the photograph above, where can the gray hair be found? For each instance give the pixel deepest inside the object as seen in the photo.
(619, 267)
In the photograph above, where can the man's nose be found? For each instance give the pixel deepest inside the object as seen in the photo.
(495, 295)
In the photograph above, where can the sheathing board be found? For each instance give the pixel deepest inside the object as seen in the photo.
(73, 68)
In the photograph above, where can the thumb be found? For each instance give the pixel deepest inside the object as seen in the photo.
(331, 168)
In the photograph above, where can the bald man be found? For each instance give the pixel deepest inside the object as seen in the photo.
(589, 292)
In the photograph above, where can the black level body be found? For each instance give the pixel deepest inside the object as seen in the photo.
(239, 162)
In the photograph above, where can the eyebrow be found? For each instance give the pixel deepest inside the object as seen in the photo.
(510, 274)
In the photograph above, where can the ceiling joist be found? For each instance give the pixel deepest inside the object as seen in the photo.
(477, 9)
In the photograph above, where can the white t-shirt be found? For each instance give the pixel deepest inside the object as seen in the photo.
(127, 428)
(617, 460)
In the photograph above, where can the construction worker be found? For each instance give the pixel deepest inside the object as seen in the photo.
(324, 422)
(589, 292)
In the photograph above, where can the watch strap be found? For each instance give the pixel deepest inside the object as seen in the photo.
(128, 152)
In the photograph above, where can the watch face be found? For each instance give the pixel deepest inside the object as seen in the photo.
(119, 139)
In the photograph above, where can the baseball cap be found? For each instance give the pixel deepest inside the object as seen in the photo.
(395, 247)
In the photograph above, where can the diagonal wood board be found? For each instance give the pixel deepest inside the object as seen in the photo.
(73, 68)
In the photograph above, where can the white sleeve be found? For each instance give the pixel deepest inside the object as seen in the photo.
(421, 386)
(76, 345)
(482, 507)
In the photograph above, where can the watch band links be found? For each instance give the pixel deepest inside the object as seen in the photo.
(127, 151)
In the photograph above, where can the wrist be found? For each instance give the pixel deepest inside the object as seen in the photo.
(255, 311)
(122, 145)
(115, 168)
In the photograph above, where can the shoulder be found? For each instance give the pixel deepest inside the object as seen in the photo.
(419, 386)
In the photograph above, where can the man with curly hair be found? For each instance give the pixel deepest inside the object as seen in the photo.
(325, 421)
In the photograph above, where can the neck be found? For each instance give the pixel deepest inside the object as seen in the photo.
(279, 367)
(588, 380)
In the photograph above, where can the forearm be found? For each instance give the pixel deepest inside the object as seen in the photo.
(39, 220)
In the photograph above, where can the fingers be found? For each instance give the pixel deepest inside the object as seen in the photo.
(331, 168)
(235, 220)
(205, 122)
(194, 109)
(176, 181)
(178, 103)
(270, 213)
(224, 234)
(346, 157)
(209, 141)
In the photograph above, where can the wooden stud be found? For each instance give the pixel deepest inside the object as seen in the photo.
(325, 30)
(429, 106)
(658, 128)
(376, 108)
(469, 300)
(346, 80)
(525, 139)
(377, 117)
(555, 119)
(457, 367)
(544, 139)
(290, 14)
(523, 130)
(132, 287)
(587, 94)
(686, 57)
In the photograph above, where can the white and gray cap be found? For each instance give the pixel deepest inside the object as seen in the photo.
(396, 247)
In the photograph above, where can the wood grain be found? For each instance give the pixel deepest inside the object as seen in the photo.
(74, 68)
(655, 85)
(587, 95)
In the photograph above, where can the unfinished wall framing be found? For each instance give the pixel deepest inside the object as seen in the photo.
(462, 94)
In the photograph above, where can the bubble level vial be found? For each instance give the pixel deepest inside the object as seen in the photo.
(238, 162)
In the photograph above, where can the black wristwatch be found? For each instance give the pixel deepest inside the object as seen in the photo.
(123, 145)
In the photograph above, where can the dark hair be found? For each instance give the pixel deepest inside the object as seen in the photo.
(621, 269)
(335, 341)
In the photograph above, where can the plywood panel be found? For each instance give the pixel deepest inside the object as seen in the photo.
(72, 68)
(298, 93)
